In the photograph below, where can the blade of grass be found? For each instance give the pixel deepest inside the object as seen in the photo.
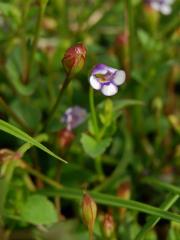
(26, 146)
(162, 185)
(8, 128)
(152, 221)
(113, 201)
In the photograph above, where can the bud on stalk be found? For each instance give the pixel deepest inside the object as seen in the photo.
(74, 59)
(108, 227)
(89, 212)
(65, 138)
(124, 192)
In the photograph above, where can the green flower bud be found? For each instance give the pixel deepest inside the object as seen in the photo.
(89, 212)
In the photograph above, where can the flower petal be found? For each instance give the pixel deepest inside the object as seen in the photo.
(156, 6)
(169, 1)
(109, 90)
(119, 77)
(100, 68)
(165, 9)
(94, 83)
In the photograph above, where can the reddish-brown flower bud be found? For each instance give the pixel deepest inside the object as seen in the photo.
(108, 226)
(124, 192)
(65, 138)
(89, 212)
(74, 59)
(121, 39)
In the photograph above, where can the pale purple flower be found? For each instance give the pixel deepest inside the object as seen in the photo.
(106, 79)
(73, 117)
(162, 6)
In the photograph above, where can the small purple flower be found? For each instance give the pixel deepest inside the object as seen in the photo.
(74, 116)
(106, 79)
(162, 6)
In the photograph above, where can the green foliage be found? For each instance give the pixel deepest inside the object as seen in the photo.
(131, 137)
(38, 210)
(93, 147)
(6, 127)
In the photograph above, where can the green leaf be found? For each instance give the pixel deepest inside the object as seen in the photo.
(38, 210)
(152, 221)
(10, 10)
(93, 147)
(120, 104)
(114, 201)
(8, 128)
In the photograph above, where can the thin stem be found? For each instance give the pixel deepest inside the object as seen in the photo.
(35, 41)
(99, 169)
(162, 185)
(15, 117)
(56, 104)
(130, 31)
(41, 176)
(93, 112)
(23, 38)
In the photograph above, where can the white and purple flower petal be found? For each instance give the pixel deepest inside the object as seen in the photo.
(106, 79)
(119, 77)
(73, 117)
(109, 90)
(94, 82)
(163, 6)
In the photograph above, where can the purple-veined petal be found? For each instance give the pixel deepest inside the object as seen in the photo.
(119, 77)
(100, 68)
(109, 90)
(94, 82)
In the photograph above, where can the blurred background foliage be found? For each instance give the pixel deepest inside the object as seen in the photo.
(140, 141)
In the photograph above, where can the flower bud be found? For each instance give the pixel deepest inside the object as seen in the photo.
(65, 138)
(74, 59)
(89, 212)
(108, 226)
(167, 174)
(124, 192)
(175, 122)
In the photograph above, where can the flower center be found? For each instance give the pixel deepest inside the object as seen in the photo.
(104, 78)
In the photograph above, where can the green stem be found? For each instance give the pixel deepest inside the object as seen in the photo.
(152, 221)
(130, 31)
(56, 104)
(14, 116)
(42, 5)
(93, 112)
(99, 169)
(41, 176)
(162, 185)
(98, 162)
